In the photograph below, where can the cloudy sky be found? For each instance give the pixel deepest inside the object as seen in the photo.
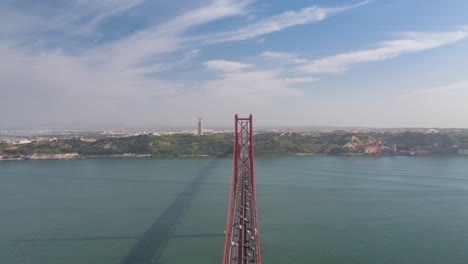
(154, 63)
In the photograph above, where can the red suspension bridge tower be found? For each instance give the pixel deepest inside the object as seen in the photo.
(242, 241)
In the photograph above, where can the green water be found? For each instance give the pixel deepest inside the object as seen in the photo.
(324, 210)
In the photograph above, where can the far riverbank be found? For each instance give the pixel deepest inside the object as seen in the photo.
(71, 156)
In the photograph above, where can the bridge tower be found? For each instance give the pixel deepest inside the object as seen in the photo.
(242, 241)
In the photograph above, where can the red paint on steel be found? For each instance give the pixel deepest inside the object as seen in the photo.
(241, 192)
(254, 195)
(228, 231)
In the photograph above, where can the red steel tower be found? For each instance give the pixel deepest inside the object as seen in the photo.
(242, 241)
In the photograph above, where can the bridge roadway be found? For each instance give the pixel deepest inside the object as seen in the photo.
(243, 239)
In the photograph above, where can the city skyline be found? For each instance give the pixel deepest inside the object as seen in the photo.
(142, 63)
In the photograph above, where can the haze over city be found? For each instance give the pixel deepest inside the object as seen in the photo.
(383, 63)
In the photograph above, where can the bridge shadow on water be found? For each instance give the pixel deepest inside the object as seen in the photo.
(148, 248)
(108, 238)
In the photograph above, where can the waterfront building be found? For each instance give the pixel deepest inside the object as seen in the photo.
(371, 149)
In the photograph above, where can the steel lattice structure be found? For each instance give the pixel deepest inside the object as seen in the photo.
(242, 241)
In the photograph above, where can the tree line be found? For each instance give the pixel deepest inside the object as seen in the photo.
(222, 144)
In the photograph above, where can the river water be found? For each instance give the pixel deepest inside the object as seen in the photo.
(312, 209)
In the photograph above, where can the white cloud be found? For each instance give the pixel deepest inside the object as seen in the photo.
(412, 42)
(226, 66)
(280, 55)
(97, 83)
(279, 22)
(111, 8)
(113, 81)
(257, 84)
(136, 53)
(63, 88)
(285, 56)
(299, 60)
(300, 80)
(451, 89)
(214, 11)
(255, 92)
(163, 38)
(65, 20)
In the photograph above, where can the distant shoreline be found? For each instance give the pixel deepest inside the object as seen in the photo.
(119, 156)
(221, 145)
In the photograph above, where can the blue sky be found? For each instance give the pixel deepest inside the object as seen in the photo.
(145, 63)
